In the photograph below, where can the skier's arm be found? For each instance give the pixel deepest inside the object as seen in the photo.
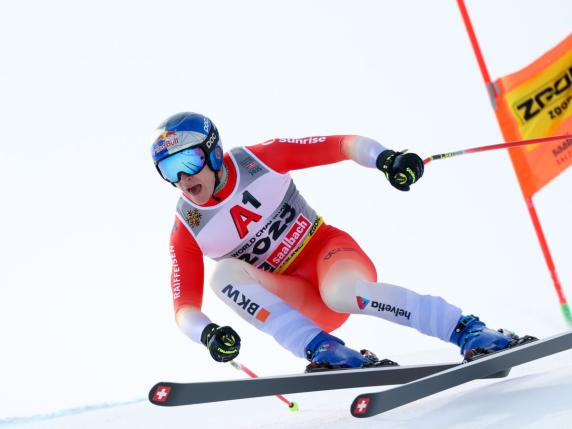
(283, 155)
(187, 280)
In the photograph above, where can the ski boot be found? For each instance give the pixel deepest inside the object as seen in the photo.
(326, 352)
(476, 340)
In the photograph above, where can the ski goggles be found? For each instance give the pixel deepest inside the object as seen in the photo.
(190, 161)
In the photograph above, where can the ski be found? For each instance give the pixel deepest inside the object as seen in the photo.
(371, 404)
(173, 394)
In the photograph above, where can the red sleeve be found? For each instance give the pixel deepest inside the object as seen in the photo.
(187, 275)
(284, 155)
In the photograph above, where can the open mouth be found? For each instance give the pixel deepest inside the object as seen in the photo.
(195, 190)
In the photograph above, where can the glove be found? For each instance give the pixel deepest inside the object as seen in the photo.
(400, 168)
(223, 342)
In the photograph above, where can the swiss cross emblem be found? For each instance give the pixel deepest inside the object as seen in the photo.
(161, 393)
(361, 406)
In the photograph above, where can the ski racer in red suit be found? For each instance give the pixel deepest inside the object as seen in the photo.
(280, 266)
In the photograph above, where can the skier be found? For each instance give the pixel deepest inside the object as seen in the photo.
(279, 265)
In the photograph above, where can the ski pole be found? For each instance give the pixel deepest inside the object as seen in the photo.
(497, 146)
(293, 406)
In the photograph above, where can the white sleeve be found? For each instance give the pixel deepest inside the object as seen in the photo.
(366, 151)
(192, 323)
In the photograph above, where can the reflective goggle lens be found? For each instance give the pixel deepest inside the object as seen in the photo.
(190, 161)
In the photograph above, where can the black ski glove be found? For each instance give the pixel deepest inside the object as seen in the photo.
(223, 342)
(402, 169)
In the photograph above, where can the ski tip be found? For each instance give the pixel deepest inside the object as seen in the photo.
(360, 405)
(160, 394)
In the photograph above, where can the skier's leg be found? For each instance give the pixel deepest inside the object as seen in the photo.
(348, 284)
(286, 307)
(296, 291)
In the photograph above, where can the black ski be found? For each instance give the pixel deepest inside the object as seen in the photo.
(371, 404)
(172, 394)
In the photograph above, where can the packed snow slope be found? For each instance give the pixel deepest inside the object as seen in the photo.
(535, 395)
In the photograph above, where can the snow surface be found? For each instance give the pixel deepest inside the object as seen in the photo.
(535, 395)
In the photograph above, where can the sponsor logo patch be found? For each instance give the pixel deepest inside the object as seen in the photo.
(380, 306)
(546, 95)
(246, 303)
(362, 302)
(175, 275)
(307, 140)
(166, 140)
(263, 315)
(211, 140)
(336, 250)
(290, 241)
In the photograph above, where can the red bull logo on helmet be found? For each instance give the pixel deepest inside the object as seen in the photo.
(166, 140)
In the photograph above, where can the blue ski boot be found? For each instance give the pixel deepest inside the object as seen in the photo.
(326, 352)
(476, 340)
